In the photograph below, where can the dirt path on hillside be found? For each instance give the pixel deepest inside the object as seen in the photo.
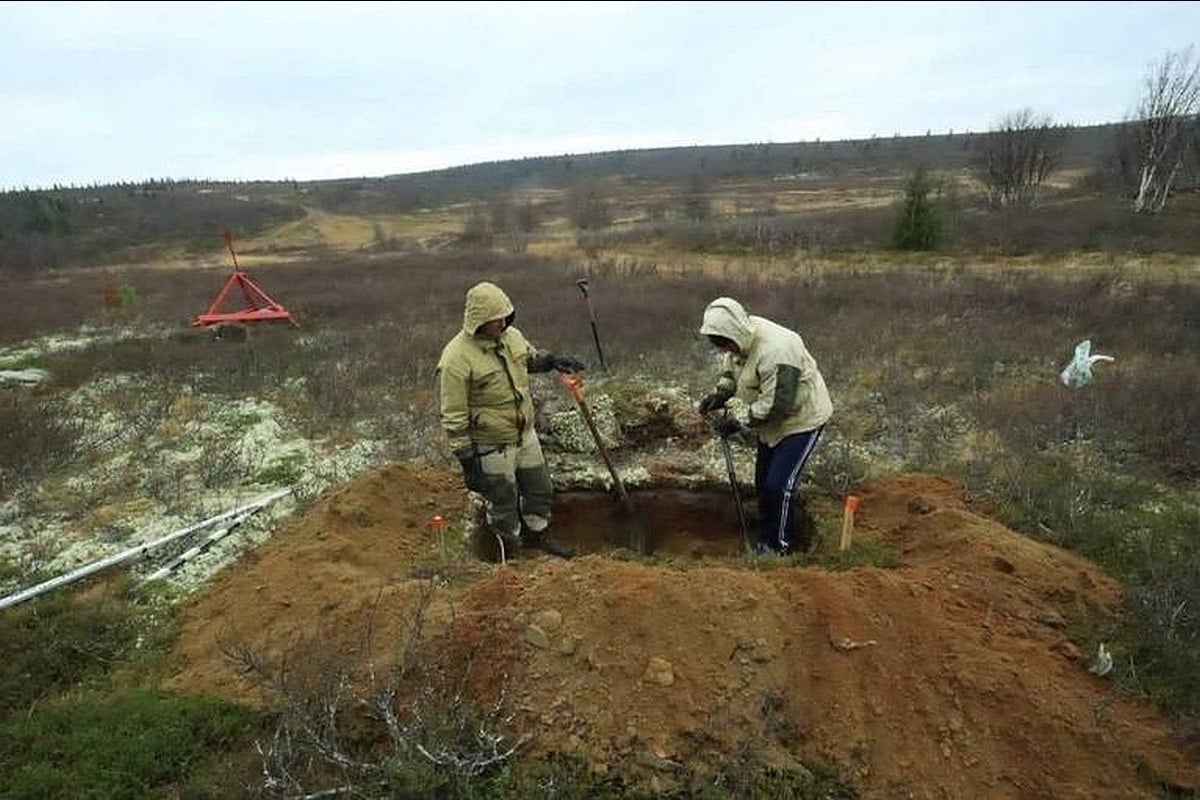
(950, 676)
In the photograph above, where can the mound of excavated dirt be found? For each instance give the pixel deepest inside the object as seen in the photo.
(950, 676)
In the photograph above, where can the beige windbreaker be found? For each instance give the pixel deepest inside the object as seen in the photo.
(484, 383)
(774, 373)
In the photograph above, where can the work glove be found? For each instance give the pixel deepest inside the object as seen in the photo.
(728, 426)
(567, 364)
(714, 401)
(472, 468)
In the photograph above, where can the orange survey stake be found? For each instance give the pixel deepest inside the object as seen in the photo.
(848, 510)
(437, 524)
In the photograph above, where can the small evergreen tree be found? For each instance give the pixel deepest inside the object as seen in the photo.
(919, 223)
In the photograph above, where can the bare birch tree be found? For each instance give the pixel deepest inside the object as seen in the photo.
(1017, 156)
(1164, 122)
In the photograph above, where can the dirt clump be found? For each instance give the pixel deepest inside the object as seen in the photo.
(949, 676)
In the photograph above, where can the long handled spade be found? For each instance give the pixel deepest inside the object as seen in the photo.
(582, 283)
(737, 495)
(636, 530)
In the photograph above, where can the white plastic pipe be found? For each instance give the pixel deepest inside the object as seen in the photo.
(197, 549)
(133, 552)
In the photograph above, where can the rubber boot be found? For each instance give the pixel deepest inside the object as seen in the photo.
(548, 544)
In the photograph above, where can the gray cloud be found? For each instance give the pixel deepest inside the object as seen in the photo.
(102, 92)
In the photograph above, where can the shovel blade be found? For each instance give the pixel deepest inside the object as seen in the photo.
(635, 532)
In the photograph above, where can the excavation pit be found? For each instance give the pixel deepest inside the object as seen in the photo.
(694, 523)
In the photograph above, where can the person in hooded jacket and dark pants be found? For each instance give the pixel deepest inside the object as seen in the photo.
(487, 415)
(786, 406)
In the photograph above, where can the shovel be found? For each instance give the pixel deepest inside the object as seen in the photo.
(737, 495)
(582, 283)
(636, 530)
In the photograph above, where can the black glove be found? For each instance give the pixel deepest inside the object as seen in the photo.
(728, 426)
(567, 364)
(472, 468)
(714, 401)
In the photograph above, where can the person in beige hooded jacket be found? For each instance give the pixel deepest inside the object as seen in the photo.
(487, 415)
(786, 407)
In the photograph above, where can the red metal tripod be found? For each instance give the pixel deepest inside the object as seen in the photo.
(259, 306)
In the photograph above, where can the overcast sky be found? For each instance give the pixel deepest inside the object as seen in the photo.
(105, 92)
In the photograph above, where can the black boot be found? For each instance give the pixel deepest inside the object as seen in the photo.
(548, 544)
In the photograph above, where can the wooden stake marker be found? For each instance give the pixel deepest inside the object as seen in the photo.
(437, 524)
(848, 510)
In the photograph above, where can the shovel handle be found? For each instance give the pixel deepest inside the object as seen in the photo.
(748, 542)
(227, 235)
(574, 383)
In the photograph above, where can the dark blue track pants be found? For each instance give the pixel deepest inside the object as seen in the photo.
(776, 479)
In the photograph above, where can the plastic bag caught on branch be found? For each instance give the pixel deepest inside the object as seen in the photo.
(1078, 373)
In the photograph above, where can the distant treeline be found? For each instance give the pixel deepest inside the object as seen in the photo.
(67, 226)
(1083, 147)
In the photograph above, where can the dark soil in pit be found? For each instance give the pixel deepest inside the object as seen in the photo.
(678, 522)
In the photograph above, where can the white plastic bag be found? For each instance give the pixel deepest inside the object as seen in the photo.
(1079, 372)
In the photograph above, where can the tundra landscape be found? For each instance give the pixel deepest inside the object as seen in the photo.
(1016, 614)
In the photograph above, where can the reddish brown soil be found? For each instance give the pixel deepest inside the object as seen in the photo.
(950, 676)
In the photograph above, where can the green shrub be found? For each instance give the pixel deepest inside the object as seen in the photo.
(1165, 603)
(918, 224)
(136, 744)
(58, 641)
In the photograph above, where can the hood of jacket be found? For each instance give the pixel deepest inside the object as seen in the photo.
(485, 302)
(726, 317)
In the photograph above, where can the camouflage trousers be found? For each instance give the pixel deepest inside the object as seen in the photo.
(517, 487)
